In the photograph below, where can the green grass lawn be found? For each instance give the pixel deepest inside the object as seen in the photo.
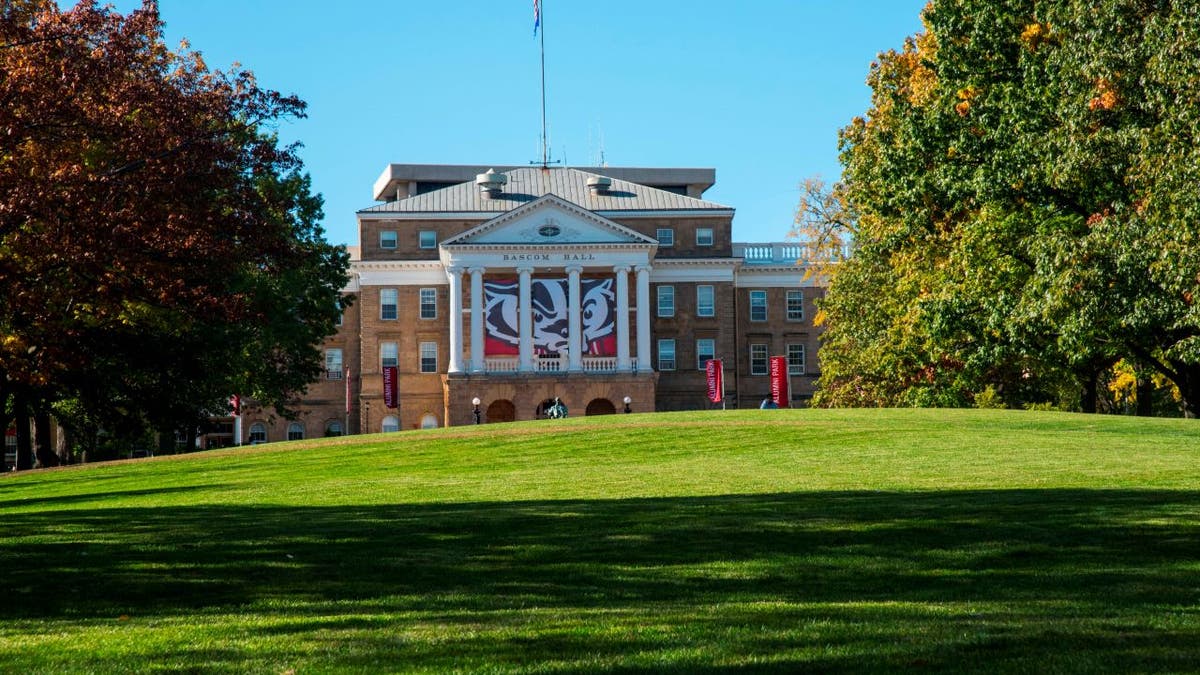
(748, 541)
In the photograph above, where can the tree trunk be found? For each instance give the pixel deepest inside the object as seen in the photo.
(24, 438)
(43, 449)
(63, 446)
(1144, 395)
(1189, 389)
(166, 440)
(1090, 396)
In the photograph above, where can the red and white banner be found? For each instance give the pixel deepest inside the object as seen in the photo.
(391, 387)
(714, 378)
(551, 316)
(779, 381)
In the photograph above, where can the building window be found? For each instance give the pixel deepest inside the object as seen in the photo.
(666, 354)
(704, 301)
(666, 236)
(389, 355)
(258, 433)
(758, 359)
(333, 364)
(429, 421)
(387, 239)
(389, 298)
(390, 423)
(795, 305)
(428, 239)
(295, 431)
(429, 362)
(428, 303)
(704, 236)
(795, 358)
(706, 350)
(758, 305)
(666, 301)
(334, 428)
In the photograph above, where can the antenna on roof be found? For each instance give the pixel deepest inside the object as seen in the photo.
(539, 23)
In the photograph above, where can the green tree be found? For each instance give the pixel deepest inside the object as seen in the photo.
(1023, 184)
(159, 248)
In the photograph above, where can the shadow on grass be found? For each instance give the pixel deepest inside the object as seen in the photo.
(98, 496)
(1023, 579)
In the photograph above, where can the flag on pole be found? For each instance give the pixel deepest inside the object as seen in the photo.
(714, 380)
(537, 16)
(391, 388)
(780, 393)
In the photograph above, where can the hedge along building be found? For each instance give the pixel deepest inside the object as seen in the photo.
(520, 285)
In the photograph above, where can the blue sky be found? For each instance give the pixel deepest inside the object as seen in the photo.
(755, 89)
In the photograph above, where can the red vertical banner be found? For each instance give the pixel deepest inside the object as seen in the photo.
(713, 378)
(779, 381)
(391, 388)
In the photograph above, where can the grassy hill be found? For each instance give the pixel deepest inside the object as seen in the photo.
(938, 540)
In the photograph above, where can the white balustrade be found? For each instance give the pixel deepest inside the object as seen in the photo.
(778, 253)
(554, 364)
(502, 364)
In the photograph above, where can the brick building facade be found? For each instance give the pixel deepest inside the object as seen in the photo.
(526, 284)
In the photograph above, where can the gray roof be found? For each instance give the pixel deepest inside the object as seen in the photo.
(527, 184)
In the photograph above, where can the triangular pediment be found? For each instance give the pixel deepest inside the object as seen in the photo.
(549, 220)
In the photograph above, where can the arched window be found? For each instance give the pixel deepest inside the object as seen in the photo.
(334, 428)
(295, 431)
(258, 433)
(391, 423)
(429, 421)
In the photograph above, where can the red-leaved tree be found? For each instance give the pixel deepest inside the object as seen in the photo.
(159, 249)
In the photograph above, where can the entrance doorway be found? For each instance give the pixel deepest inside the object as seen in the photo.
(501, 410)
(601, 406)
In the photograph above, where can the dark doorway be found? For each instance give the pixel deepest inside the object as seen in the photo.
(501, 410)
(601, 406)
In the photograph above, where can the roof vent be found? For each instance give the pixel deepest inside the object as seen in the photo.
(491, 184)
(599, 185)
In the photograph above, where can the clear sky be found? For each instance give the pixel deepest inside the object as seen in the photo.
(756, 89)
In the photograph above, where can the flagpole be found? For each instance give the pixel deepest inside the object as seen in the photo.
(542, 24)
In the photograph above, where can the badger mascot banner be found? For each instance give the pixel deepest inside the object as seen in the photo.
(550, 317)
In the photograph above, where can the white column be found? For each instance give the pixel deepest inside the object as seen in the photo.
(643, 318)
(622, 317)
(456, 327)
(575, 320)
(477, 319)
(525, 322)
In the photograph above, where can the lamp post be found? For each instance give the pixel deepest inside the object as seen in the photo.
(475, 402)
(627, 402)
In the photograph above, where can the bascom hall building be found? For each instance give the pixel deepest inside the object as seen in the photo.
(607, 289)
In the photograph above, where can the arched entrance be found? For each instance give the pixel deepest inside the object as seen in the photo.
(540, 413)
(600, 406)
(501, 410)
